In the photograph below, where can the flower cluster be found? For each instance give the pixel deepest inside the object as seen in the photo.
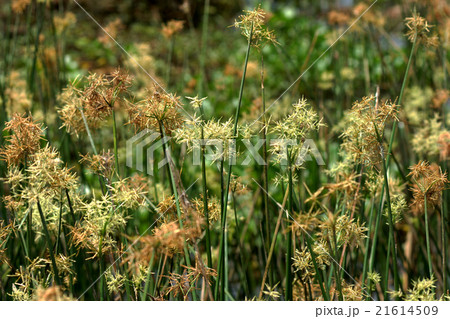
(253, 23)
(295, 128)
(24, 140)
(419, 29)
(428, 181)
(92, 104)
(364, 126)
(156, 111)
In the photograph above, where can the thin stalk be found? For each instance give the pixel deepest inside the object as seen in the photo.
(88, 131)
(230, 166)
(265, 193)
(72, 213)
(205, 205)
(241, 257)
(391, 226)
(177, 200)
(175, 192)
(101, 265)
(203, 47)
(391, 142)
(337, 270)
(444, 223)
(49, 245)
(272, 245)
(400, 98)
(159, 270)
(59, 225)
(366, 253)
(116, 153)
(318, 274)
(220, 263)
(375, 233)
(148, 279)
(386, 270)
(205, 194)
(427, 236)
(288, 274)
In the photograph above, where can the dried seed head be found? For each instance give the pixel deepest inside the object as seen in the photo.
(156, 110)
(23, 141)
(19, 6)
(422, 290)
(101, 164)
(53, 293)
(217, 135)
(46, 173)
(398, 207)
(427, 180)
(124, 193)
(101, 93)
(213, 208)
(114, 281)
(271, 292)
(64, 22)
(343, 230)
(440, 97)
(374, 277)
(363, 121)
(295, 128)
(171, 28)
(96, 99)
(253, 22)
(5, 231)
(196, 102)
(303, 263)
(352, 292)
(17, 98)
(70, 112)
(419, 29)
(111, 32)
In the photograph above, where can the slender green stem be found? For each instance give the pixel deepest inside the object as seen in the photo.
(337, 270)
(58, 238)
(366, 246)
(177, 200)
(205, 193)
(49, 244)
(148, 279)
(88, 131)
(391, 142)
(230, 166)
(400, 98)
(386, 269)
(265, 193)
(204, 45)
(391, 227)
(174, 190)
(318, 273)
(241, 251)
(427, 236)
(205, 204)
(288, 274)
(444, 223)
(69, 203)
(116, 153)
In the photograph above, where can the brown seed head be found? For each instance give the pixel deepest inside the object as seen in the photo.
(23, 141)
